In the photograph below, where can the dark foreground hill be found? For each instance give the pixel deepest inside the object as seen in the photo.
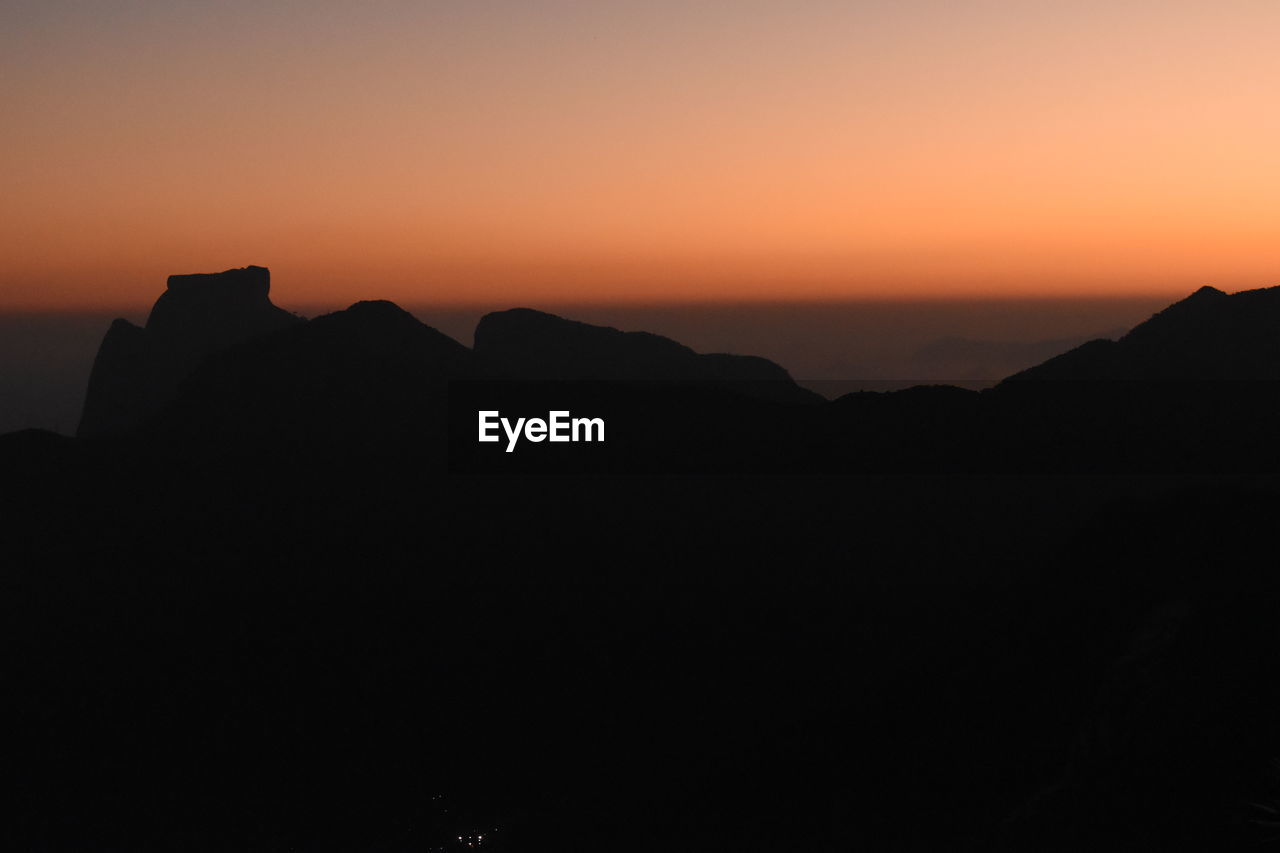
(299, 606)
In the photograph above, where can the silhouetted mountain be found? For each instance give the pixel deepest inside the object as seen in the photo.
(374, 376)
(527, 344)
(1207, 336)
(138, 370)
(370, 373)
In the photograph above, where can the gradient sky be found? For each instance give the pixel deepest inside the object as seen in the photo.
(518, 152)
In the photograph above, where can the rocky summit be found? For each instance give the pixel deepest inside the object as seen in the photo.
(139, 369)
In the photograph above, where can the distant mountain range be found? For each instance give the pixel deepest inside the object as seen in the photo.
(220, 334)
(217, 358)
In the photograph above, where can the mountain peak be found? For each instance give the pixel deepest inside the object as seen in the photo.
(377, 309)
(216, 308)
(1209, 335)
(251, 278)
(1207, 292)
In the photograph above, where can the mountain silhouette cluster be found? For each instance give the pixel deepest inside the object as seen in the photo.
(217, 360)
(276, 595)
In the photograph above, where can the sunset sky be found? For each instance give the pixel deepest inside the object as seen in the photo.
(517, 152)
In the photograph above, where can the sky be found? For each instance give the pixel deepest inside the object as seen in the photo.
(660, 151)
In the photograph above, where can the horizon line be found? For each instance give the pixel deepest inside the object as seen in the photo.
(327, 306)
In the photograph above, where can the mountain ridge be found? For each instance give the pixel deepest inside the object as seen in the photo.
(1209, 335)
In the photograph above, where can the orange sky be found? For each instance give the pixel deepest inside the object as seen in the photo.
(642, 151)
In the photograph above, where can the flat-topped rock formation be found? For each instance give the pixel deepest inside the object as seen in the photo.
(138, 369)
